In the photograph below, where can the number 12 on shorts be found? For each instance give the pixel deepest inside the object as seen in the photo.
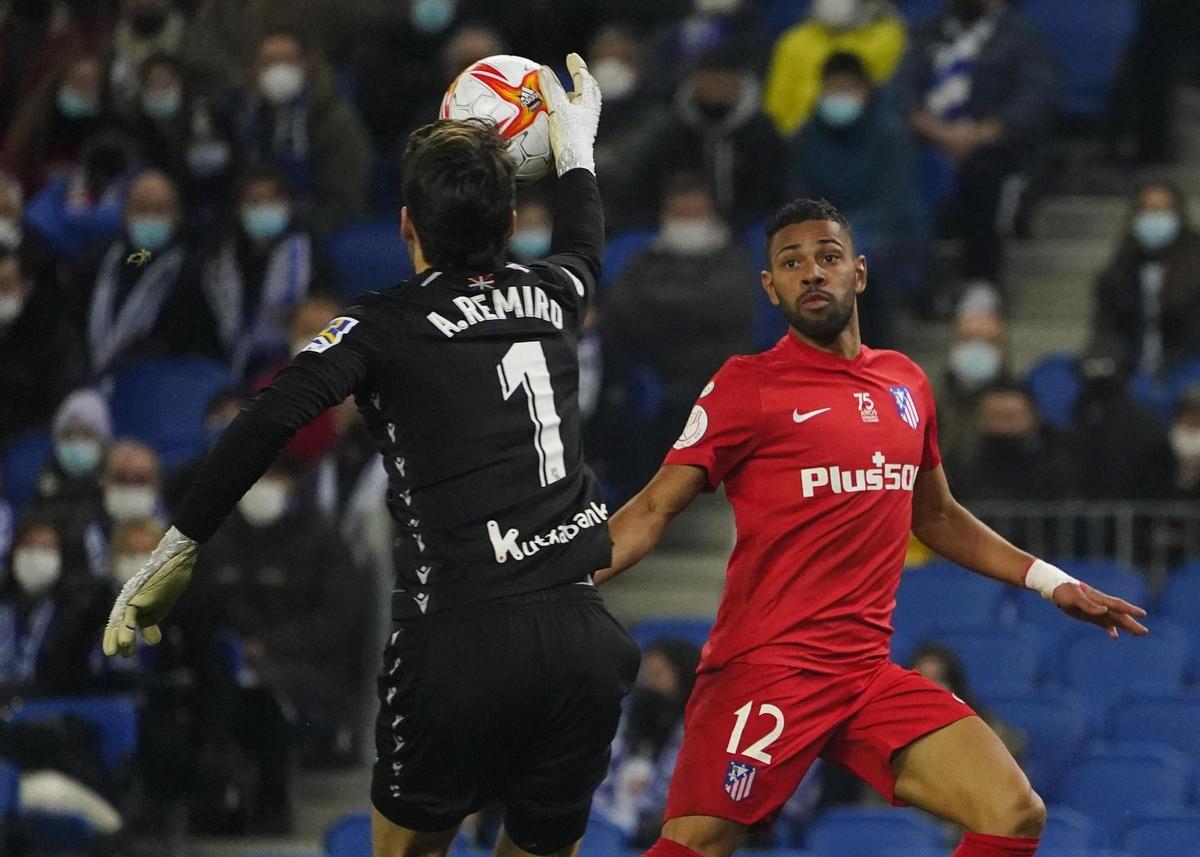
(757, 750)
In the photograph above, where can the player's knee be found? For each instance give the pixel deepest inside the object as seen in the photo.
(711, 837)
(1018, 812)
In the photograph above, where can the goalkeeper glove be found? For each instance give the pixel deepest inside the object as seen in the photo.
(149, 595)
(574, 118)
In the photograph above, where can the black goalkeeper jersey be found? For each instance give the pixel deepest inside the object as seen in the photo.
(469, 382)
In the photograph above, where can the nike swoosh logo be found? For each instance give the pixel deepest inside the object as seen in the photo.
(800, 418)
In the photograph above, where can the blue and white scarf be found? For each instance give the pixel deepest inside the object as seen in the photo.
(954, 64)
(112, 330)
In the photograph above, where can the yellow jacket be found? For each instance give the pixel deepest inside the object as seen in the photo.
(794, 77)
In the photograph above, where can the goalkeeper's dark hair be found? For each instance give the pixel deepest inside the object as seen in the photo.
(802, 211)
(460, 189)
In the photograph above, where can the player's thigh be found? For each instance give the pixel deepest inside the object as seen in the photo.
(392, 840)
(964, 774)
(505, 847)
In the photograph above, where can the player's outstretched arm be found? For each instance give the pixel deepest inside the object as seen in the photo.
(640, 523)
(944, 526)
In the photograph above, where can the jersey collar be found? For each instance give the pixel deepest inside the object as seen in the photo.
(806, 353)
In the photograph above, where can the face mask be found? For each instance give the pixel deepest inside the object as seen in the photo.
(615, 78)
(147, 24)
(1185, 443)
(264, 503)
(125, 566)
(78, 457)
(130, 502)
(10, 308)
(36, 569)
(11, 232)
(265, 221)
(838, 14)
(150, 232)
(281, 82)
(531, 243)
(840, 110)
(75, 106)
(974, 363)
(208, 158)
(431, 16)
(162, 105)
(690, 236)
(717, 7)
(1156, 229)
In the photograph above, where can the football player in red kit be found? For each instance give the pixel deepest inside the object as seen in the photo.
(828, 451)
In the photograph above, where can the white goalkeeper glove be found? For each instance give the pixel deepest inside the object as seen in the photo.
(149, 595)
(574, 118)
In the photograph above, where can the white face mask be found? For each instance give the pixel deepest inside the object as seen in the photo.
(126, 565)
(264, 503)
(281, 82)
(130, 502)
(10, 308)
(1185, 443)
(11, 232)
(615, 78)
(36, 569)
(838, 14)
(974, 363)
(692, 236)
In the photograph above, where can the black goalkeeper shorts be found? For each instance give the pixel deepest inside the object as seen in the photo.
(515, 700)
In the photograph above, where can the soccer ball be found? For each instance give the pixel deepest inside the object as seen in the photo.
(505, 89)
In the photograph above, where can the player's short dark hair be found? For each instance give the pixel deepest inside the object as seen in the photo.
(802, 211)
(845, 62)
(460, 189)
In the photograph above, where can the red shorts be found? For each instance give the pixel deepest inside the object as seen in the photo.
(752, 731)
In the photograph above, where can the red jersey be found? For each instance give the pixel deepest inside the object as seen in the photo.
(818, 455)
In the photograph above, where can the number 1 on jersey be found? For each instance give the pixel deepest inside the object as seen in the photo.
(524, 367)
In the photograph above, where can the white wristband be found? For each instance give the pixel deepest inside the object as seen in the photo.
(1045, 578)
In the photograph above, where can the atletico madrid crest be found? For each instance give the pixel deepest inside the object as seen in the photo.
(906, 406)
(739, 779)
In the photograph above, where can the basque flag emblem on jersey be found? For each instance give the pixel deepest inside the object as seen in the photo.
(739, 779)
(906, 406)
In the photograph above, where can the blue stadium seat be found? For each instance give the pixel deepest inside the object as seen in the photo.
(619, 250)
(1173, 720)
(1058, 728)
(942, 596)
(115, 717)
(161, 402)
(998, 661)
(1173, 834)
(1180, 598)
(1117, 782)
(1090, 40)
(868, 832)
(1080, 852)
(1055, 388)
(602, 838)
(694, 629)
(369, 255)
(1066, 828)
(349, 837)
(917, 12)
(23, 461)
(1105, 670)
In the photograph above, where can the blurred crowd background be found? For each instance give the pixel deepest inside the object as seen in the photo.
(191, 189)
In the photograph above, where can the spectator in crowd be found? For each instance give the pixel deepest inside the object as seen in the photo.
(857, 153)
(870, 30)
(258, 270)
(144, 29)
(212, 162)
(68, 489)
(295, 120)
(1009, 443)
(678, 310)
(132, 483)
(1120, 446)
(284, 581)
(733, 27)
(159, 114)
(1148, 297)
(981, 87)
(42, 357)
(977, 359)
(1184, 438)
(77, 210)
(48, 134)
(220, 411)
(36, 253)
(531, 236)
(629, 124)
(634, 795)
(133, 301)
(717, 128)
